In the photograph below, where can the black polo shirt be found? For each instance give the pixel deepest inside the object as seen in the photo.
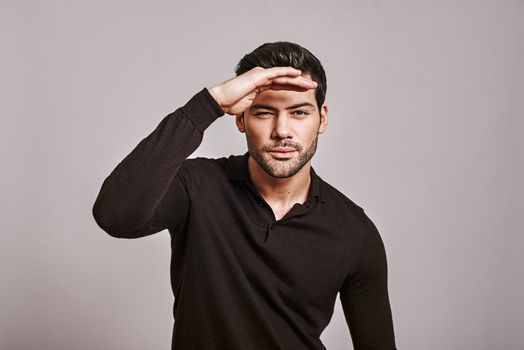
(243, 280)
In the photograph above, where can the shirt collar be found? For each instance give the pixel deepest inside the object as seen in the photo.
(237, 170)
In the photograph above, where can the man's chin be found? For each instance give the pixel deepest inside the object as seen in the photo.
(281, 168)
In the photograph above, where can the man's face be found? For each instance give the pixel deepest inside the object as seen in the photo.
(282, 128)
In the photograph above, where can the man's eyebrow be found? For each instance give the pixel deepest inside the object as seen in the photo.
(271, 108)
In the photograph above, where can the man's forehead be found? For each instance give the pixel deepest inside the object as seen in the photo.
(284, 98)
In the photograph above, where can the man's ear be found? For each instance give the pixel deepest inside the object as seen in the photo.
(239, 119)
(323, 119)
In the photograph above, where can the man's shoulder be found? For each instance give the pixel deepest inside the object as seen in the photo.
(345, 210)
(341, 205)
(212, 174)
(337, 197)
(207, 165)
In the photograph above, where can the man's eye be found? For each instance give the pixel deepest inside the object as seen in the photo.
(263, 114)
(300, 113)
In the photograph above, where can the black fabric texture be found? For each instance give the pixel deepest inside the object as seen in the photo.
(241, 279)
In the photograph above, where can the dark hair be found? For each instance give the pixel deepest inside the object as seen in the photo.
(284, 54)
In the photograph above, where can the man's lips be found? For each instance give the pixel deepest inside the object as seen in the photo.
(282, 152)
(283, 149)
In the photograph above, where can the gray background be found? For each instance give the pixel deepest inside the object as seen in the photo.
(426, 107)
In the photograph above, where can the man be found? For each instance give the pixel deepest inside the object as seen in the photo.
(261, 245)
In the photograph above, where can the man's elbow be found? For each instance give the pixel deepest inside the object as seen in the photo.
(107, 223)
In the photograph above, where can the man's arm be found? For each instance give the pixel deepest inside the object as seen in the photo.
(149, 190)
(145, 193)
(364, 296)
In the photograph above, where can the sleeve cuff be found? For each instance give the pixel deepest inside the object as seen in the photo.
(202, 109)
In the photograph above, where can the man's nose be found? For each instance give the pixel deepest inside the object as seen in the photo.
(281, 127)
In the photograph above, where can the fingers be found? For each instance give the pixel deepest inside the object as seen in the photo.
(299, 81)
(274, 72)
(286, 83)
(281, 76)
(282, 87)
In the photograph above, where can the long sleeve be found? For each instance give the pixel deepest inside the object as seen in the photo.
(364, 296)
(148, 190)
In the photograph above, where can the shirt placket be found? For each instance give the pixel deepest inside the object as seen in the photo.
(269, 220)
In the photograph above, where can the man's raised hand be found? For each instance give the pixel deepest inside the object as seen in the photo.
(237, 94)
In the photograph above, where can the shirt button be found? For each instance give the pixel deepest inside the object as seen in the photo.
(260, 204)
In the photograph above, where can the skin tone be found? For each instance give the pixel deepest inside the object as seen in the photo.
(277, 110)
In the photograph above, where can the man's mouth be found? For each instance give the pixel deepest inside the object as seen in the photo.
(283, 149)
(282, 152)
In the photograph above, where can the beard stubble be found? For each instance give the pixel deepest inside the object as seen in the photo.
(286, 167)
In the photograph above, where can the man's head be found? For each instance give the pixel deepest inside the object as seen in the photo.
(282, 125)
(287, 54)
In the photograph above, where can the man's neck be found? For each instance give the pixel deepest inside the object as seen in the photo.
(281, 193)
